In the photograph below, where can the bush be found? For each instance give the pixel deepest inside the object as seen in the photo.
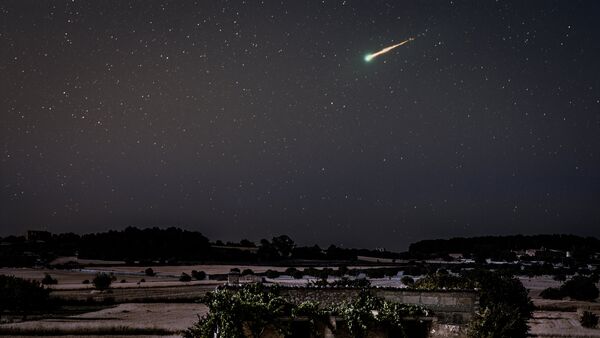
(22, 296)
(185, 277)
(505, 305)
(150, 272)
(247, 272)
(407, 280)
(86, 281)
(272, 274)
(102, 281)
(298, 274)
(498, 321)
(580, 288)
(560, 277)
(552, 293)
(589, 319)
(198, 275)
(123, 281)
(48, 280)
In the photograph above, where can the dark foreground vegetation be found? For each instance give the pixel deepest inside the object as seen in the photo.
(505, 309)
(254, 309)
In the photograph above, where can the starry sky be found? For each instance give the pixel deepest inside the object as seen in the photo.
(249, 119)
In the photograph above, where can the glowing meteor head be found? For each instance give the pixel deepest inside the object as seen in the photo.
(368, 57)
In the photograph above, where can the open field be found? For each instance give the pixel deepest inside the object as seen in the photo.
(180, 293)
(163, 306)
(559, 324)
(142, 319)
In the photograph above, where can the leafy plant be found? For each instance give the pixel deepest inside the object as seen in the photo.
(102, 281)
(498, 321)
(589, 319)
(251, 309)
(185, 277)
(552, 293)
(580, 288)
(48, 280)
(22, 296)
(198, 275)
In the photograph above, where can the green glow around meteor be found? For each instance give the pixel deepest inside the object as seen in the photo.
(370, 57)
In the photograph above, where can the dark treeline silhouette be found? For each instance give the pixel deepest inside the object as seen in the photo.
(171, 245)
(491, 244)
(174, 245)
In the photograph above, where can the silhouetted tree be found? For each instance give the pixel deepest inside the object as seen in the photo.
(102, 281)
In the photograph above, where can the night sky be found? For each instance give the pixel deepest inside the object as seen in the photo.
(249, 119)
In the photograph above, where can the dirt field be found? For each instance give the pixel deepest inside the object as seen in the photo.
(171, 318)
(559, 324)
(181, 293)
(557, 318)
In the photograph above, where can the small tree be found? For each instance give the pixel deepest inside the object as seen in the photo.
(102, 281)
(185, 277)
(552, 293)
(198, 275)
(498, 321)
(247, 272)
(149, 272)
(48, 280)
(22, 296)
(589, 319)
(272, 274)
(407, 280)
(580, 288)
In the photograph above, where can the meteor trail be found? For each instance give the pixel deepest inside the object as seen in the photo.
(370, 57)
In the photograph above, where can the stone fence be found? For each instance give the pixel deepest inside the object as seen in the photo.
(449, 307)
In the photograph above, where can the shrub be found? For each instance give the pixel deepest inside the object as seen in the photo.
(580, 288)
(505, 305)
(86, 281)
(102, 281)
(272, 274)
(247, 272)
(22, 296)
(407, 280)
(498, 321)
(185, 277)
(552, 293)
(198, 275)
(589, 319)
(560, 277)
(123, 281)
(436, 281)
(48, 280)
(290, 271)
(298, 274)
(249, 310)
(149, 272)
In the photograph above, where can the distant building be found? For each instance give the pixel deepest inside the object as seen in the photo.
(37, 236)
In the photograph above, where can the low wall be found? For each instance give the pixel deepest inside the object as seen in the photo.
(449, 307)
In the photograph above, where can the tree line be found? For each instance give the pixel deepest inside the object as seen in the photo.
(170, 245)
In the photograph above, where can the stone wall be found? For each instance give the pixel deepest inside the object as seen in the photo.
(449, 307)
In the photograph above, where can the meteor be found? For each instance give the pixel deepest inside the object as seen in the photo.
(370, 57)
